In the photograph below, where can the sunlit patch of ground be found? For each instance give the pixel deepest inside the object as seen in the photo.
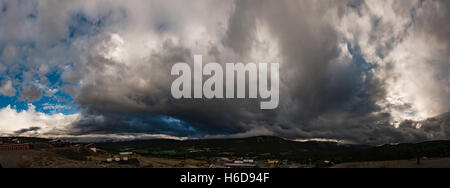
(426, 163)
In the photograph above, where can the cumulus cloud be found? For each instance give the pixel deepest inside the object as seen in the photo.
(32, 123)
(394, 37)
(7, 89)
(363, 71)
(31, 93)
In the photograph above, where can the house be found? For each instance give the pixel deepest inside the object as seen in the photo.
(91, 147)
(60, 143)
(126, 153)
(129, 155)
(101, 152)
(16, 147)
(244, 163)
(15, 141)
(240, 165)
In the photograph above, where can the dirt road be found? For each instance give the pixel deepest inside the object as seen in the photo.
(425, 163)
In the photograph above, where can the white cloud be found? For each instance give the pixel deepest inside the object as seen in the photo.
(13, 121)
(413, 65)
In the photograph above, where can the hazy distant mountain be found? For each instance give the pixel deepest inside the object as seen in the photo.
(252, 144)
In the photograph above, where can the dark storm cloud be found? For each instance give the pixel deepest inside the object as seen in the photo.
(308, 45)
(144, 103)
(323, 95)
(31, 129)
(309, 48)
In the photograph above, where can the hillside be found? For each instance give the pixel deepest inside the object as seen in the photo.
(202, 152)
(277, 148)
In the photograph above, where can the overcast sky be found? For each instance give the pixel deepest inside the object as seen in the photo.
(358, 71)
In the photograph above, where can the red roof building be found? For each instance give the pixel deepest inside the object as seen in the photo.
(16, 147)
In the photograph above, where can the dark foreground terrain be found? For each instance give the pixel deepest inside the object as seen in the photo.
(274, 148)
(255, 152)
(425, 163)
